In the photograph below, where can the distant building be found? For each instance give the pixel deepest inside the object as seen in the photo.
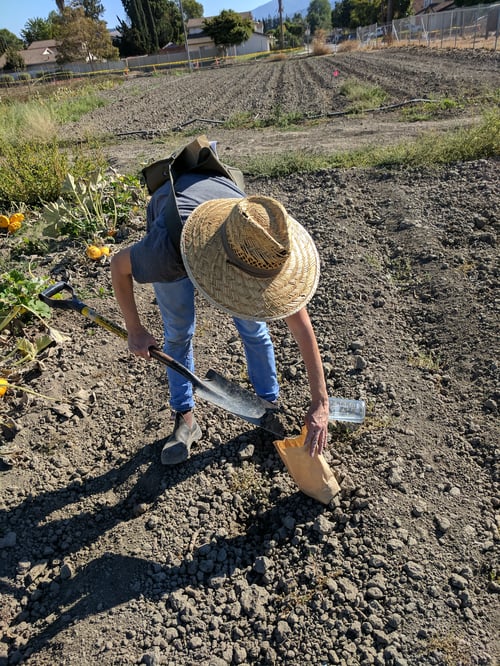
(202, 46)
(38, 56)
(432, 6)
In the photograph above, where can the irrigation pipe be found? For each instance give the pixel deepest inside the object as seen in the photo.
(388, 107)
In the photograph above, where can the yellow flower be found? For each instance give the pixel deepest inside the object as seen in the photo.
(105, 251)
(94, 252)
(4, 221)
(14, 226)
(3, 386)
(16, 217)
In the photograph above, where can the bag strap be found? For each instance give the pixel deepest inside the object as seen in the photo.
(195, 156)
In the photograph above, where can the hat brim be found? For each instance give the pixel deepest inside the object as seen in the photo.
(232, 289)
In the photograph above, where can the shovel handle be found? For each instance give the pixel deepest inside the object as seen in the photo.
(74, 303)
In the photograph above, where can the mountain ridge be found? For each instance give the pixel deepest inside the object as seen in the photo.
(291, 7)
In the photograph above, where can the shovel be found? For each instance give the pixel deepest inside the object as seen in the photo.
(214, 387)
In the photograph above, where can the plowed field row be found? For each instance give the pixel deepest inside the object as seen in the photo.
(305, 85)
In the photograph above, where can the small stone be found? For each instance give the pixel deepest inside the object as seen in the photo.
(360, 363)
(458, 582)
(323, 526)
(262, 565)
(442, 523)
(9, 540)
(414, 570)
(66, 571)
(490, 405)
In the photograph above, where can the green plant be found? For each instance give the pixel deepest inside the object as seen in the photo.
(82, 210)
(240, 120)
(31, 172)
(451, 649)
(6, 80)
(19, 303)
(401, 270)
(362, 95)
(428, 110)
(425, 361)
(19, 294)
(470, 143)
(284, 164)
(90, 206)
(284, 120)
(278, 118)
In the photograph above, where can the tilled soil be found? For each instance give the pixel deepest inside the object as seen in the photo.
(106, 557)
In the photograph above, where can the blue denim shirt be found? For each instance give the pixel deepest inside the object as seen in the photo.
(156, 258)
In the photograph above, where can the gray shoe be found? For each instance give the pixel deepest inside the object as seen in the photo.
(178, 445)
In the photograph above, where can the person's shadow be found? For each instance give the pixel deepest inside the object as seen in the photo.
(121, 575)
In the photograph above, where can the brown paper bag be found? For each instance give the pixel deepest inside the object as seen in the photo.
(313, 476)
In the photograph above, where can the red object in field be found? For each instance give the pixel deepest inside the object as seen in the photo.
(335, 72)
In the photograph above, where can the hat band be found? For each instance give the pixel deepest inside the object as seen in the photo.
(234, 260)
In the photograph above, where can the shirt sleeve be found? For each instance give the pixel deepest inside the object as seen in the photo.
(155, 258)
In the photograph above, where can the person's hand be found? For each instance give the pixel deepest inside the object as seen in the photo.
(139, 342)
(317, 427)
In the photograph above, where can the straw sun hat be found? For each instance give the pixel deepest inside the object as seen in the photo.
(250, 258)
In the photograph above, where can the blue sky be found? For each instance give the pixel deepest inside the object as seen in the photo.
(15, 13)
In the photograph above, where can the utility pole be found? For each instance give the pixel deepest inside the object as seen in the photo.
(280, 10)
(186, 36)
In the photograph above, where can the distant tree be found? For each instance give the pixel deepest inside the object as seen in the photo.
(82, 38)
(9, 39)
(37, 30)
(192, 9)
(319, 15)
(365, 12)
(294, 31)
(151, 24)
(341, 15)
(270, 23)
(355, 13)
(228, 29)
(13, 60)
(92, 9)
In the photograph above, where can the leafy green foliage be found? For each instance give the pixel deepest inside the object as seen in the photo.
(96, 205)
(151, 24)
(37, 30)
(14, 60)
(228, 28)
(19, 293)
(470, 143)
(278, 118)
(361, 95)
(429, 110)
(319, 15)
(82, 38)
(9, 39)
(31, 172)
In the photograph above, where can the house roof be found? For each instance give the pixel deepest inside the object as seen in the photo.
(40, 53)
(432, 6)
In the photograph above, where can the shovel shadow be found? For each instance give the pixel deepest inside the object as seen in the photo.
(113, 580)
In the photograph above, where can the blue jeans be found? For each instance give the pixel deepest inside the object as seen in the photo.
(176, 303)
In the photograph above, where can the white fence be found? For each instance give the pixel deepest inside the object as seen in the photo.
(471, 27)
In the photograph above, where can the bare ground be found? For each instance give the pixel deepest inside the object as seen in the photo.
(108, 558)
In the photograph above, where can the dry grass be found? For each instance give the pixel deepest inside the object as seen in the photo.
(433, 43)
